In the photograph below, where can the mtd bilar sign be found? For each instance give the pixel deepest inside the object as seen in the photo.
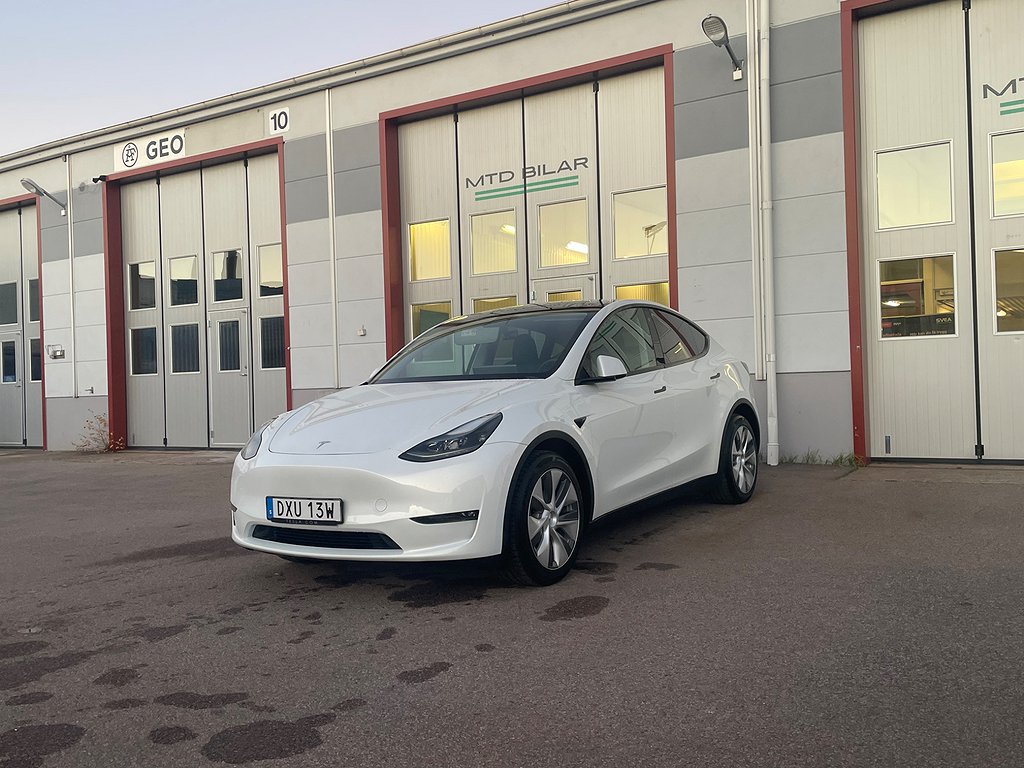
(532, 178)
(1014, 104)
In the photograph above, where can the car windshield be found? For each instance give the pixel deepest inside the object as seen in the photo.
(526, 345)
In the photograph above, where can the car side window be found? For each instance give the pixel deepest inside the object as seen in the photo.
(695, 339)
(673, 346)
(627, 336)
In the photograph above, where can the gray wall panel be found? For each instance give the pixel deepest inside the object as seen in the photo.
(809, 107)
(705, 71)
(66, 417)
(356, 147)
(305, 158)
(306, 199)
(713, 125)
(49, 213)
(88, 202)
(357, 191)
(805, 49)
(55, 243)
(88, 237)
(815, 414)
(716, 236)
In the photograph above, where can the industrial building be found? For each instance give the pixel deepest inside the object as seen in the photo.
(836, 194)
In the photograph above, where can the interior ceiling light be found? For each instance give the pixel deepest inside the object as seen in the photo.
(572, 245)
(1001, 313)
(891, 303)
(716, 31)
(508, 229)
(652, 229)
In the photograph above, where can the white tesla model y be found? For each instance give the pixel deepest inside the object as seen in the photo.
(503, 433)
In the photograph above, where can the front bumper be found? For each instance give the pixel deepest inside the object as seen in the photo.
(380, 494)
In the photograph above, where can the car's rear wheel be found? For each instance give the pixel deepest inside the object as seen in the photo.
(544, 521)
(737, 463)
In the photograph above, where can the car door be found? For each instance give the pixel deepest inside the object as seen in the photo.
(619, 421)
(690, 379)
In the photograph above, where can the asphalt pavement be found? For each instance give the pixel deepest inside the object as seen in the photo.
(841, 618)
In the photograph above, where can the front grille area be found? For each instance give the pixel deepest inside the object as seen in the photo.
(326, 539)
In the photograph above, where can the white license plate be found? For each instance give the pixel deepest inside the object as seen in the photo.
(304, 511)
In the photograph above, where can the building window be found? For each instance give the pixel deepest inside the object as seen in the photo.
(143, 351)
(8, 303)
(8, 362)
(142, 285)
(36, 367)
(641, 223)
(230, 354)
(272, 342)
(185, 348)
(426, 316)
(33, 300)
(184, 280)
(430, 250)
(564, 234)
(497, 302)
(1009, 291)
(576, 295)
(494, 242)
(917, 297)
(271, 270)
(914, 186)
(1008, 174)
(656, 292)
(227, 275)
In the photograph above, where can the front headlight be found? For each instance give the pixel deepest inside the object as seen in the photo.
(253, 446)
(461, 440)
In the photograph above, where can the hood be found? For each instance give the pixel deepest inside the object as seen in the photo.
(381, 417)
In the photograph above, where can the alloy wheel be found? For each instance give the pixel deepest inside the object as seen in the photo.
(553, 522)
(744, 458)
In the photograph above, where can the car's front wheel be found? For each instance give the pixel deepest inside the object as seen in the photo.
(737, 463)
(544, 521)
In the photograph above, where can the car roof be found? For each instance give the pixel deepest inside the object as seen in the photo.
(526, 309)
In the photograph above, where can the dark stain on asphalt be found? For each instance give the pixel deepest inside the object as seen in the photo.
(30, 670)
(387, 633)
(170, 734)
(314, 616)
(596, 567)
(125, 704)
(349, 704)
(157, 634)
(189, 700)
(485, 647)
(576, 608)
(423, 674)
(27, 746)
(431, 594)
(266, 740)
(205, 549)
(657, 567)
(233, 610)
(228, 630)
(303, 637)
(24, 648)
(34, 697)
(116, 677)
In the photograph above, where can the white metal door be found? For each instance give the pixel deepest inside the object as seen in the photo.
(12, 390)
(230, 388)
(580, 288)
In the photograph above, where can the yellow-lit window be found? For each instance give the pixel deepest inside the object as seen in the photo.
(426, 316)
(914, 187)
(494, 242)
(657, 292)
(430, 250)
(1008, 174)
(576, 295)
(1010, 291)
(917, 297)
(564, 234)
(498, 302)
(641, 223)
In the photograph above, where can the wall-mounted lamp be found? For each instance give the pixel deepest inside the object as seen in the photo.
(55, 351)
(98, 179)
(35, 189)
(718, 34)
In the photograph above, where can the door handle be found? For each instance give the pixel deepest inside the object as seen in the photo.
(716, 375)
(659, 390)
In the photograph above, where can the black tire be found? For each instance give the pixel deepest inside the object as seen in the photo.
(737, 465)
(523, 553)
(300, 560)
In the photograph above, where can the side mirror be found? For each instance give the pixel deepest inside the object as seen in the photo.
(606, 368)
